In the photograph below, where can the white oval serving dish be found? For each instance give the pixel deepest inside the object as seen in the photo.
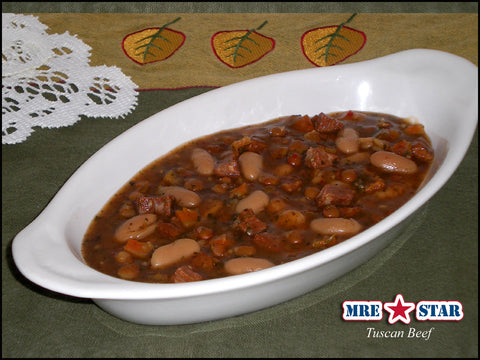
(438, 89)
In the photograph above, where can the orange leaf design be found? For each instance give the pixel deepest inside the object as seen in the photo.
(330, 45)
(239, 48)
(152, 44)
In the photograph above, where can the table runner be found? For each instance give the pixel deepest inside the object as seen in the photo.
(437, 258)
(200, 44)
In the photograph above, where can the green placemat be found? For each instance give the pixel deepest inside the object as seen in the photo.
(429, 262)
(436, 259)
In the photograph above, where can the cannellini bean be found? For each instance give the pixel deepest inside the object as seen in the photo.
(391, 162)
(137, 227)
(127, 210)
(257, 201)
(283, 169)
(244, 250)
(349, 132)
(183, 197)
(276, 204)
(203, 161)
(290, 219)
(370, 143)
(348, 142)
(390, 192)
(330, 226)
(129, 271)
(246, 264)
(123, 257)
(251, 165)
(174, 252)
(361, 157)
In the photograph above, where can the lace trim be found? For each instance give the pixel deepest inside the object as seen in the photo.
(47, 81)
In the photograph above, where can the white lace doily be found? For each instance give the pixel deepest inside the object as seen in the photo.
(47, 80)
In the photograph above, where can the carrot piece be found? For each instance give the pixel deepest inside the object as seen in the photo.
(203, 232)
(211, 208)
(204, 262)
(239, 191)
(137, 248)
(188, 217)
(403, 148)
(220, 244)
(303, 124)
(414, 129)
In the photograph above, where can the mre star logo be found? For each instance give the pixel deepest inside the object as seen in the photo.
(399, 310)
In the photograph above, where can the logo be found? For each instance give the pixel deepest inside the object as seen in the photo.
(401, 310)
(362, 310)
(439, 310)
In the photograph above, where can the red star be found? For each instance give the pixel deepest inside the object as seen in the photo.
(399, 310)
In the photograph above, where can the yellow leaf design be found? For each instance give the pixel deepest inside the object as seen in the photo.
(330, 45)
(153, 44)
(241, 47)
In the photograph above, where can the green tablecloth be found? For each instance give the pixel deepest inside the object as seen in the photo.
(436, 259)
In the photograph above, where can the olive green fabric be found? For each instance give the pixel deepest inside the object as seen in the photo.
(436, 258)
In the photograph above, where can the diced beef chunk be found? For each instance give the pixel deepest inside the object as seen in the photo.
(185, 274)
(248, 223)
(326, 124)
(160, 205)
(420, 152)
(267, 241)
(227, 167)
(335, 194)
(318, 157)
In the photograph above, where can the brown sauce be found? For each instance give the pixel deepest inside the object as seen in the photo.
(318, 167)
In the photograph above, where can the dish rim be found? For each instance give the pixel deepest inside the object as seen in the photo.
(109, 287)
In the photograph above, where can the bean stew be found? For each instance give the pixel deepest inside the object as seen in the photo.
(250, 198)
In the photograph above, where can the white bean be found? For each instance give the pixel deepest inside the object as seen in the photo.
(290, 219)
(349, 132)
(137, 227)
(348, 142)
(361, 157)
(251, 165)
(330, 226)
(391, 162)
(247, 264)
(203, 161)
(284, 169)
(174, 252)
(257, 201)
(183, 197)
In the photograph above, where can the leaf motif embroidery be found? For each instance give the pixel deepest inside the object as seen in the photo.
(330, 45)
(239, 48)
(153, 44)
